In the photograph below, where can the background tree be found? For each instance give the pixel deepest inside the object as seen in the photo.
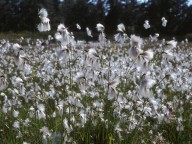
(16, 15)
(173, 10)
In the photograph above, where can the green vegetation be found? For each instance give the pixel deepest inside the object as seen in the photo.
(79, 97)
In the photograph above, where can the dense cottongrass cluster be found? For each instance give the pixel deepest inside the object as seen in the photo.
(126, 90)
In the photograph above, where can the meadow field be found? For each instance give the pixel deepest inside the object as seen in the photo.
(125, 90)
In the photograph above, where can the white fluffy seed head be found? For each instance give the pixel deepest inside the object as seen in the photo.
(121, 28)
(43, 12)
(100, 27)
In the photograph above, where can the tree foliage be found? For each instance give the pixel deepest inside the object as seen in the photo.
(23, 15)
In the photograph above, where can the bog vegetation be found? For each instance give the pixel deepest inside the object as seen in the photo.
(124, 90)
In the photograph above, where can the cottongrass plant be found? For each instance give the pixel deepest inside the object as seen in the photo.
(44, 25)
(121, 37)
(146, 24)
(102, 38)
(164, 22)
(72, 92)
(89, 33)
